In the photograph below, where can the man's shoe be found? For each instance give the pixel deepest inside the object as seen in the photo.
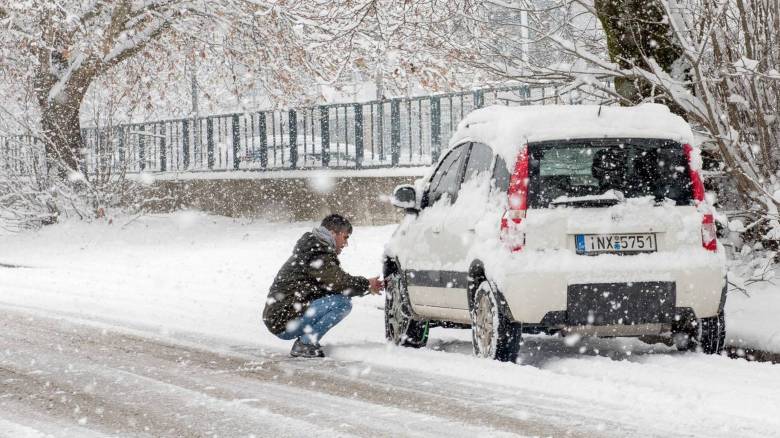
(299, 349)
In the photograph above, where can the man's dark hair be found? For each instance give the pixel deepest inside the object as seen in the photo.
(337, 223)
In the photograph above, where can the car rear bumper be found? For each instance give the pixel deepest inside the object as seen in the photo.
(641, 289)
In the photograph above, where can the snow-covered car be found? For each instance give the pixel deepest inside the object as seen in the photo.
(578, 220)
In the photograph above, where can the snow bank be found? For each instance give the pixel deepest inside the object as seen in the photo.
(751, 320)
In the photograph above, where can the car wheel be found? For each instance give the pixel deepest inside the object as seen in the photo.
(400, 328)
(494, 336)
(707, 334)
(711, 334)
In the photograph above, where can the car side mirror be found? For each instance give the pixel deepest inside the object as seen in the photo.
(405, 196)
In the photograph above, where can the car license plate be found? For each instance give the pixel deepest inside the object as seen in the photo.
(615, 243)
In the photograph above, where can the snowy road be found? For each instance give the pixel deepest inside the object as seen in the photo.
(71, 379)
(61, 378)
(152, 328)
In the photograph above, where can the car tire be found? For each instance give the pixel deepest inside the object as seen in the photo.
(708, 335)
(400, 328)
(493, 335)
(711, 334)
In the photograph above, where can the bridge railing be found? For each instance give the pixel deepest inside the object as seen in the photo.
(378, 134)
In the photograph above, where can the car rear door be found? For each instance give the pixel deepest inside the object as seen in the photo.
(610, 196)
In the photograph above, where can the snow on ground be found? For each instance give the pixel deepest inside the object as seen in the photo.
(751, 319)
(189, 272)
(8, 428)
(197, 273)
(198, 278)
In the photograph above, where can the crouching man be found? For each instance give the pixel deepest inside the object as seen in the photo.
(311, 293)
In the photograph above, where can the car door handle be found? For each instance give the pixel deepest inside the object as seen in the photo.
(436, 229)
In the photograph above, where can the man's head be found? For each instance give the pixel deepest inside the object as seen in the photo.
(340, 228)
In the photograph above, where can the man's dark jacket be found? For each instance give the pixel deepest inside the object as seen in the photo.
(313, 271)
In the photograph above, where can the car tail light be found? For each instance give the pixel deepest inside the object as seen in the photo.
(708, 229)
(696, 184)
(517, 194)
(709, 233)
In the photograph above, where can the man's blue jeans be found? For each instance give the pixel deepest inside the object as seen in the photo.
(321, 315)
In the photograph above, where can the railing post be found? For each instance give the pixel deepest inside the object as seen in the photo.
(210, 142)
(293, 138)
(9, 147)
(479, 99)
(381, 127)
(121, 145)
(141, 148)
(10, 151)
(435, 128)
(325, 135)
(395, 131)
(4, 152)
(19, 153)
(83, 151)
(185, 143)
(236, 141)
(163, 152)
(99, 139)
(262, 132)
(197, 141)
(358, 135)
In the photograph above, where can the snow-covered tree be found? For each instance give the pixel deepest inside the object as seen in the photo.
(129, 57)
(60, 49)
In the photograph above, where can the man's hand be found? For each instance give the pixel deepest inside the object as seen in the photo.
(375, 285)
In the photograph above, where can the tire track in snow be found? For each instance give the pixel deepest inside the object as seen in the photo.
(117, 383)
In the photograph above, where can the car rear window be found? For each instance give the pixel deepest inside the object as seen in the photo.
(573, 172)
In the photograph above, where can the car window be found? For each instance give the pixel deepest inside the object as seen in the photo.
(501, 175)
(636, 168)
(446, 179)
(480, 159)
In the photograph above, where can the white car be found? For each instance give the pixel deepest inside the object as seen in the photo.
(580, 220)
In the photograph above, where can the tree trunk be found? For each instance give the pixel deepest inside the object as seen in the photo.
(60, 104)
(60, 124)
(62, 136)
(638, 30)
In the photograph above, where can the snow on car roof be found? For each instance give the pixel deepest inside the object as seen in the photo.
(506, 128)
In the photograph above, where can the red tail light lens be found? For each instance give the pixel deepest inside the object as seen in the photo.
(693, 171)
(511, 230)
(709, 236)
(709, 233)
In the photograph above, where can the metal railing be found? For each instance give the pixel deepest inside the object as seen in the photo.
(377, 134)
(19, 153)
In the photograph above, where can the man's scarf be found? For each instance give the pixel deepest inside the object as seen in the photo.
(324, 234)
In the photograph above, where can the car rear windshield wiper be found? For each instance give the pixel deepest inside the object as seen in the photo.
(606, 199)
